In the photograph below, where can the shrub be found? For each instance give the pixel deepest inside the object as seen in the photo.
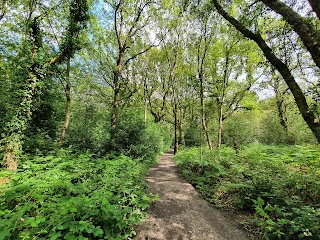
(73, 197)
(139, 140)
(278, 184)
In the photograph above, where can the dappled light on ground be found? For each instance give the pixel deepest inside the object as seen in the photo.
(181, 213)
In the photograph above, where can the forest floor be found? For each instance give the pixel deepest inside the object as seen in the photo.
(181, 213)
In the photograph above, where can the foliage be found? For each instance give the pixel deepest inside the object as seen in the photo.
(193, 135)
(262, 125)
(72, 196)
(278, 185)
(89, 128)
(242, 128)
(138, 139)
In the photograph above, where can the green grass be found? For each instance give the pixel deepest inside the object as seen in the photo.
(278, 185)
(73, 197)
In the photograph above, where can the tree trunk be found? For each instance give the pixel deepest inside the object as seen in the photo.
(145, 112)
(145, 101)
(281, 110)
(283, 119)
(309, 36)
(315, 6)
(220, 128)
(203, 117)
(16, 127)
(13, 145)
(176, 123)
(222, 97)
(307, 113)
(18, 124)
(181, 132)
(68, 104)
(115, 112)
(203, 122)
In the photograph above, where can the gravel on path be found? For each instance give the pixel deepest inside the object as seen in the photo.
(181, 213)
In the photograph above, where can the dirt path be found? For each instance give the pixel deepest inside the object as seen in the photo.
(181, 213)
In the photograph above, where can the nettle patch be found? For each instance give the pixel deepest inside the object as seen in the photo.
(74, 197)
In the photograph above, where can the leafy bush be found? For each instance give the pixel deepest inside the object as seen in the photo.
(241, 127)
(139, 140)
(89, 128)
(192, 135)
(73, 197)
(279, 185)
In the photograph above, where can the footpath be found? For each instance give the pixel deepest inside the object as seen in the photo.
(181, 213)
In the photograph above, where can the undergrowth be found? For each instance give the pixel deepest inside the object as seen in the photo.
(279, 186)
(74, 197)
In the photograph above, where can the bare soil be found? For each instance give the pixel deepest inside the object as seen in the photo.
(181, 213)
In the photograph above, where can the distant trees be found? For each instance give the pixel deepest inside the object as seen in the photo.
(177, 63)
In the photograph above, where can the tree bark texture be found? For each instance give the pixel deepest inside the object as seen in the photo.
(307, 113)
(68, 104)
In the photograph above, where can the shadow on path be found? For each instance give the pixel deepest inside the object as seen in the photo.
(181, 213)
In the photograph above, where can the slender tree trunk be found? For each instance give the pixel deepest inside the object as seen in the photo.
(68, 104)
(176, 123)
(181, 132)
(145, 112)
(203, 120)
(307, 113)
(220, 128)
(201, 62)
(283, 119)
(222, 97)
(145, 102)
(116, 98)
(115, 112)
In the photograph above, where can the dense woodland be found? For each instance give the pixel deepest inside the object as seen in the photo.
(93, 91)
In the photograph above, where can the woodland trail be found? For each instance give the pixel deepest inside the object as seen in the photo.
(181, 213)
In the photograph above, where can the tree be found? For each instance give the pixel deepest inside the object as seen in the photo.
(203, 44)
(129, 19)
(36, 69)
(307, 113)
(68, 103)
(306, 31)
(315, 6)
